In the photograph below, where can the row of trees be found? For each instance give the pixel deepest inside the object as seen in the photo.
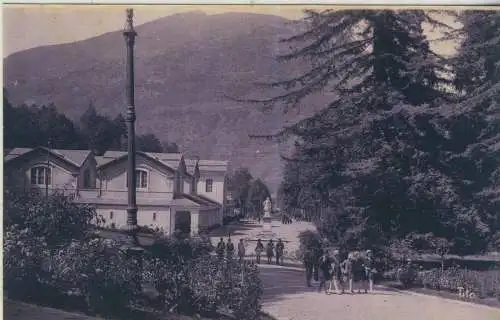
(31, 126)
(247, 193)
(407, 151)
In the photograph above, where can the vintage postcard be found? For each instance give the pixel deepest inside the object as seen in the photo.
(251, 162)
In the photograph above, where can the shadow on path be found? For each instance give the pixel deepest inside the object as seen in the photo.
(234, 229)
(280, 282)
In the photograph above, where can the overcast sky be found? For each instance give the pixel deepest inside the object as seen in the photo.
(29, 26)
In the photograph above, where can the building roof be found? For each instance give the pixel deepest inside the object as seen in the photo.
(16, 152)
(171, 160)
(78, 157)
(181, 200)
(212, 165)
(189, 200)
(75, 157)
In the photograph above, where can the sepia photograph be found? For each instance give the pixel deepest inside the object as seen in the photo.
(251, 162)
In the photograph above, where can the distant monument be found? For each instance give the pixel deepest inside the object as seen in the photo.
(266, 226)
(266, 233)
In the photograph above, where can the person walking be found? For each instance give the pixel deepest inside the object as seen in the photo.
(241, 250)
(309, 265)
(230, 248)
(317, 253)
(347, 272)
(325, 273)
(336, 273)
(369, 270)
(221, 247)
(280, 250)
(358, 270)
(259, 248)
(270, 251)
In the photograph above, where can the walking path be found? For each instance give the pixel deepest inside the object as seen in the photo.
(286, 296)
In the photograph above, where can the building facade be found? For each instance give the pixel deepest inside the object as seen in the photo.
(173, 193)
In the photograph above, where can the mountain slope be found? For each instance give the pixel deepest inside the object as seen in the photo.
(186, 64)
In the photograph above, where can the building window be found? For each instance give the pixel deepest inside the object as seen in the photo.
(209, 184)
(41, 176)
(141, 179)
(154, 216)
(111, 215)
(86, 179)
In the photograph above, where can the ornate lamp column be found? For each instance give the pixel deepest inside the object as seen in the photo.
(129, 34)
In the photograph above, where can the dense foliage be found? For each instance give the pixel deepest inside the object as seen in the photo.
(404, 151)
(51, 257)
(190, 280)
(32, 126)
(247, 192)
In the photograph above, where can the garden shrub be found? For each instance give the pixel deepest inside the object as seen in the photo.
(98, 272)
(24, 254)
(51, 257)
(190, 280)
(55, 218)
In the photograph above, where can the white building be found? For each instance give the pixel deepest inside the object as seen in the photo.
(172, 192)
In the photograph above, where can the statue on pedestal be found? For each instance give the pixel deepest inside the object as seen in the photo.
(267, 208)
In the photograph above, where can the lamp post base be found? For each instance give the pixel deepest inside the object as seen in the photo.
(133, 250)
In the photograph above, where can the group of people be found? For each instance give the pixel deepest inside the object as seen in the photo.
(271, 250)
(286, 219)
(228, 249)
(337, 274)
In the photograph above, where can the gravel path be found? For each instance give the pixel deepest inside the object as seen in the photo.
(287, 298)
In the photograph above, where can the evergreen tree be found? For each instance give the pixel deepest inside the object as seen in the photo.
(477, 79)
(381, 142)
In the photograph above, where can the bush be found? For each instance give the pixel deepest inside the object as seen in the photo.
(92, 276)
(99, 273)
(56, 218)
(24, 255)
(52, 258)
(190, 280)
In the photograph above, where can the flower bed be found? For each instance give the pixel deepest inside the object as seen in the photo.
(483, 284)
(479, 284)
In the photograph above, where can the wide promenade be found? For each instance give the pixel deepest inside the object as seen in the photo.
(287, 298)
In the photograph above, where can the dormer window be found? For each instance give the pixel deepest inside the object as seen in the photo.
(141, 179)
(41, 175)
(209, 185)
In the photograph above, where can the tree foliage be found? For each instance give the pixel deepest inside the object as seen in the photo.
(239, 185)
(394, 152)
(32, 126)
